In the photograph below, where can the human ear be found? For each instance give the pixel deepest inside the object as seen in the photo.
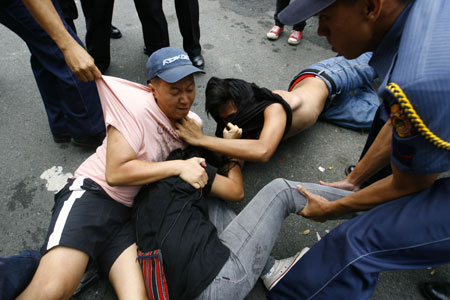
(373, 9)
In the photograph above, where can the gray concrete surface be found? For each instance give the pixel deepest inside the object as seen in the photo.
(234, 45)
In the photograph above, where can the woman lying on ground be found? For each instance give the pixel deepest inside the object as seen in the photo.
(208, 251)
(336, 89)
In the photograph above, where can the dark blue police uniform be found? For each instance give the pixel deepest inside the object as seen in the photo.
(72, 106)
(413, 231)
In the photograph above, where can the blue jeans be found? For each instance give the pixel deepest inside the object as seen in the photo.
(72, 106)
(353, 101)
(16, 273)
(251, 234)
(407, 233)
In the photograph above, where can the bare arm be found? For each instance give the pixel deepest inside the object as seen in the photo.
(230, 187)
(256, 150)
(397, 185)
(376, 158)
(123, 167)
(77, 58)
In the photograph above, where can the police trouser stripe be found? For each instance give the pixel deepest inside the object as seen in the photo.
(77, 192)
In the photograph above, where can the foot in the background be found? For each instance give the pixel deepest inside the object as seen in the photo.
(274, 33)
(90, 141)
(295, 37)
(115, 32)
(198, 61)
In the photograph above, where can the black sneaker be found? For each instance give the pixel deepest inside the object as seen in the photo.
(89, 142)
(62, 137)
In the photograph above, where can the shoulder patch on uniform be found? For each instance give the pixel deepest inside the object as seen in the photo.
(400, 122)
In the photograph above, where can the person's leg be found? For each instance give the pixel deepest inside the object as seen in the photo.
(70, 12)
(219, 213)
(280, 5)
(353, 100)
(188, 21)
(252, 234)
(57, 277)
(154, 24)
(16, 273)
(407, 233)
(299, 26)
(335, 80)
(126, 276)
(98, 15)
(59, 87)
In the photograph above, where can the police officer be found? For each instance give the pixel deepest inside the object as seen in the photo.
(60, 66)
(406, 224)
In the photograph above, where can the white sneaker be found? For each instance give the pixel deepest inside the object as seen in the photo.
(280, 268)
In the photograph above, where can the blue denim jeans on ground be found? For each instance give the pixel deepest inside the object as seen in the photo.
(251, 234)
(16, 273)
(353, 100)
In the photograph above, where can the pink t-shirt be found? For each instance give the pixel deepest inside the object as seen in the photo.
(132, 110)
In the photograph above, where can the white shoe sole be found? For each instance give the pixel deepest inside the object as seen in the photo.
(272, 37)
(297, 257)
(291, 42)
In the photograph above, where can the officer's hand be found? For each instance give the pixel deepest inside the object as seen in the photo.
(81, 63)
(317, 207)
(232, 131)
(343, 185)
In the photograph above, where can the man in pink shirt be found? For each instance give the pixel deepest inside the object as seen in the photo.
(91, 215)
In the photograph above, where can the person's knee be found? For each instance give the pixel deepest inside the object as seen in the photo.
(277, 184)
(46, 289)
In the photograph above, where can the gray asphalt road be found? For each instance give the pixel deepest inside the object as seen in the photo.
(234, 45)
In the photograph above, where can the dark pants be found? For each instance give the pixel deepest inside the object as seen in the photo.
(154, 24)
(407, 233)
(16, 273)
(98, 16)
(281, 4)
(72, 106)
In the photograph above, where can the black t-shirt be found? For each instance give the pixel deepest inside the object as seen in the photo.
(173, 216)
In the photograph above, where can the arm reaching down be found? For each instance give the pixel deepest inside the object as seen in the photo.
(77, 58)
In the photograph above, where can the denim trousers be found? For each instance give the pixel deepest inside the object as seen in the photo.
(251, 234)
(353, 100)
(16, 273)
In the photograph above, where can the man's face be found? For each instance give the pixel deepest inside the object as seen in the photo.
(174, 99)
(346, 28)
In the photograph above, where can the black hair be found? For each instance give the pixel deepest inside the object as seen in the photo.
(221, 162)
(219, 91)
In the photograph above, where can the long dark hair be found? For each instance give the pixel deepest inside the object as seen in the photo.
(219, 91)
(250, 100)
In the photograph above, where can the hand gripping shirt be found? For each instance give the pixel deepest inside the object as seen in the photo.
(415, 55)
(132, 110)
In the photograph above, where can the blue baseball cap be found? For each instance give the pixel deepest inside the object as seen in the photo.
(170, 64)
(300, 10)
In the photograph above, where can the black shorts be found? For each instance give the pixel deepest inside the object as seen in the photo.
(85, 218)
